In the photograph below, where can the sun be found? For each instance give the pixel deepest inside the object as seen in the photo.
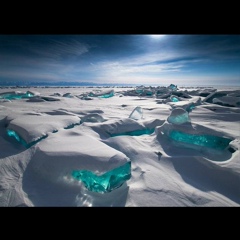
(156, 36)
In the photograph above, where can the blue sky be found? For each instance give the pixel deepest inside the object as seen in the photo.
(136, 59)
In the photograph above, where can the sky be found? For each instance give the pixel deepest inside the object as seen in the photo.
(121, 59)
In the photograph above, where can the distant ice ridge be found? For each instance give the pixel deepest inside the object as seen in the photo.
(173, 87)
(171, 93)
(151, 91)
(68, 95)
(102, 94)
(224, 98)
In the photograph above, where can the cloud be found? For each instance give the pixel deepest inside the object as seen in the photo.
(59, 49)
(70, 58)
(146, 64)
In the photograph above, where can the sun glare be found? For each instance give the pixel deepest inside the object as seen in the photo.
(156, 36)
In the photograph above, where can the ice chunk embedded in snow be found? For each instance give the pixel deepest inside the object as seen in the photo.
(92, 117)
(15, 135)
(16, 95)
(174, 98)
(68, 95)
(106, 182)
(178, 116)
(172, 87)
(201, 140)
(136, 114)
(102, 94)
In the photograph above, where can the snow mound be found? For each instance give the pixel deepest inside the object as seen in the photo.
(58, 155)
(31, 128)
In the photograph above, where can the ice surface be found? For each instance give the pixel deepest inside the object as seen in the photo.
(136, 114)
(106, 182)
(194, 162)
(178, 116)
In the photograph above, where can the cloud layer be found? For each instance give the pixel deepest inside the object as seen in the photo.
(121, 58)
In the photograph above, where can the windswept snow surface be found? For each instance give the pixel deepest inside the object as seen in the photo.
(182, 145)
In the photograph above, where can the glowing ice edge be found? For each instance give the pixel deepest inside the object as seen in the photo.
(210, 141)
(11, 96)
(107, 95)
(15, 135)
(174, 99)
(106, 182)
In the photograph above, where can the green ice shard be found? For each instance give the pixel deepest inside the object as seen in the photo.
(108, 95)
(210, 141)
(11, 96)
(190, 107)
(15, 135)
(105, 182)
(174, 99)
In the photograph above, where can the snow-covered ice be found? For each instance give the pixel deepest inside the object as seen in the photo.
(143, 146)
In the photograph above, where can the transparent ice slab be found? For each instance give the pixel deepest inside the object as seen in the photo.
(106, 182)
